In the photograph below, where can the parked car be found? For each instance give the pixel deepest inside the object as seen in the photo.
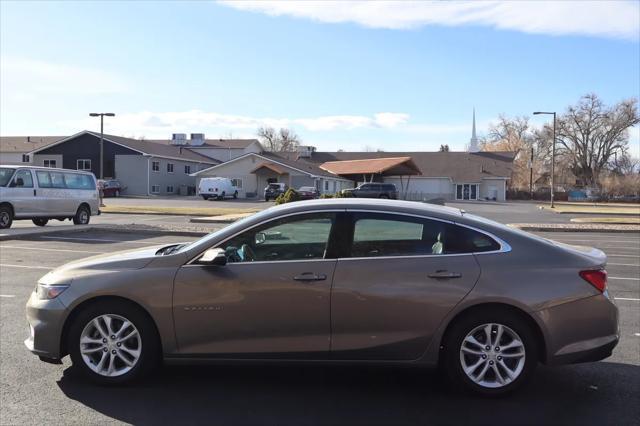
(373, 190)
(308, 192)
(335, 280)
(272, 190)
(42, 194)
(218, 188)
(110, 187)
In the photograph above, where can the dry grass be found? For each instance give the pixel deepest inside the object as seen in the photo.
(616, 220)
(179, 211)
(595, 208)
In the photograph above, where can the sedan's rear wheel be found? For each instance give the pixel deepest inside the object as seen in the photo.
(112, 343)
(490, 353)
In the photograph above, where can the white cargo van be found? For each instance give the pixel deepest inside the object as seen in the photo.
(42, 193)
(217, 187)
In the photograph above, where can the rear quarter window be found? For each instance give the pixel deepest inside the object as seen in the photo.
(460, 239)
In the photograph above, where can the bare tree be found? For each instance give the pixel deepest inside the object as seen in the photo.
(444, 148)
(283, 140)
(590, 134)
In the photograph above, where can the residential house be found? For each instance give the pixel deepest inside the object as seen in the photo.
(18, 149)
(143, 167)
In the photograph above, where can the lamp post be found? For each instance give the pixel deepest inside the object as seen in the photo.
(102, 115)
(553, 153)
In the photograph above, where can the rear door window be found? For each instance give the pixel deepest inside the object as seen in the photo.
(79, 181)
(44, 180)
(57, 180)
(382, 234)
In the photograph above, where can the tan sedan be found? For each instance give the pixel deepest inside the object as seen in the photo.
(334, 280)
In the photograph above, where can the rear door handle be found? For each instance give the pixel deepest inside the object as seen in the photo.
(444, 275)
(310, 276)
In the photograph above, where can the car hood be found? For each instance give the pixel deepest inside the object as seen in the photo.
(128, 259)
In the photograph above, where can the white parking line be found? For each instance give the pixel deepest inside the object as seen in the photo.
(7, 295)
(621, 255)
(49, 249)
(623, 264)
(624, 278)
(104, 240)
(9, 265)
(627, 298)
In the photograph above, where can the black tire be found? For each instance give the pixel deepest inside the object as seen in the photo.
(221, 197)
(83, 216)
(6, 217)
(205, 197)
(40, 221)
(452, 363)
(235, 195)
(150, 354)
(266, 199)
(384, 196)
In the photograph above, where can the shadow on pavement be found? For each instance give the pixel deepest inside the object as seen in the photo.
(599, 393)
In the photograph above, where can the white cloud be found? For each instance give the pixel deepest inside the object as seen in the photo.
(29, 79)
(160, 124)
(609, 18)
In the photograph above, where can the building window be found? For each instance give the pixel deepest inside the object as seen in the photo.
(169, 167)
(187, 169)
(155, 189)
(49, 163)
(155, 166)
(466, 191)
(83, 164)
(170, 189)
(326, 185)
(237, 183)
(25, 158)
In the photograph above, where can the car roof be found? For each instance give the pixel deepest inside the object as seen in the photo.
(49, 169)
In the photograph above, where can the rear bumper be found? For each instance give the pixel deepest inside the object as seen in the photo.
(584, 330)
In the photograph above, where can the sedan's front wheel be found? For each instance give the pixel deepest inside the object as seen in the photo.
(490, 353)
(113, 343)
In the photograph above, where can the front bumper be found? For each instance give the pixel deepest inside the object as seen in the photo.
(45, 318)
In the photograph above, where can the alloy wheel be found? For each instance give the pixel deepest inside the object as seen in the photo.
(4, 218)
(492, 355)
(110, 345)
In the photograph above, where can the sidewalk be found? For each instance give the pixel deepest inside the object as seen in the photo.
(575, 227)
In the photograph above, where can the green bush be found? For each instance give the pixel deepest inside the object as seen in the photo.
(287, 197)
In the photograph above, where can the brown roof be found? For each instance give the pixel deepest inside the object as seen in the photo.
(387, 165)
(459, 166)
(290, 159)
(213, 143)
(25, 144)
(270, 166)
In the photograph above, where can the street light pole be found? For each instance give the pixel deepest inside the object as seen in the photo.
(553, 154)
(102, 115)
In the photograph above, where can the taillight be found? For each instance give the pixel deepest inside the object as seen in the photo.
(596, 277)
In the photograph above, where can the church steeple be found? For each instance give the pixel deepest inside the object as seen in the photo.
(473, 143)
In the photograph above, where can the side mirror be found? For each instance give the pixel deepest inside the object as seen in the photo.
(213, 256)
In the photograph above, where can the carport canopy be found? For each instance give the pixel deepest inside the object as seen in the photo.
(390, 166)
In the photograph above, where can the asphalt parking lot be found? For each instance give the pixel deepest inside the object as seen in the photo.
(33, 392)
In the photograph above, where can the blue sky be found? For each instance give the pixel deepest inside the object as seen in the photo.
(401, 76)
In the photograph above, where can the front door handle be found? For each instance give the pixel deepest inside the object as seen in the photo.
(310, 276)
(444, 275)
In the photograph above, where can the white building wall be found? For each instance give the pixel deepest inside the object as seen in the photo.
(491, 187)
(14, 158)
(38, 159)
(421, 188)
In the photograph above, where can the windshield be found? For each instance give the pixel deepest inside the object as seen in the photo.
(234, 227)
(5, 175)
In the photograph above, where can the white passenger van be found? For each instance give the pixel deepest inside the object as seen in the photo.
(217, 187)
(42, 193)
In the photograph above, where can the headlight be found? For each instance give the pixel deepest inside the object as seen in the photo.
(46, 292)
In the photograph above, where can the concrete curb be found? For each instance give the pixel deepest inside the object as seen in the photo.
(99, 228)
(543, 228)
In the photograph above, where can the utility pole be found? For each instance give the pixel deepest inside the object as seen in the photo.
(531, 175)
(101, 115)
(553, 154)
